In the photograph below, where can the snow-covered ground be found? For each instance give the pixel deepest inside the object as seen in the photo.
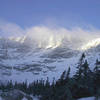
(89, 98)
(34, 98)
(16, 95)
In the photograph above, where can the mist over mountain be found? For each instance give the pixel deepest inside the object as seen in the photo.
(49, 49)
(45, 52)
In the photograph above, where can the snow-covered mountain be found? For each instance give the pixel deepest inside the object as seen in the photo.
(22, 58)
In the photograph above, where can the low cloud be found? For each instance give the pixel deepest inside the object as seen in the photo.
(43, 33)
(10, 29)
(46, 36)
(52, 37)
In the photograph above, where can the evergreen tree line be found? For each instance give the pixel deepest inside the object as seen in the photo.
(84, 83)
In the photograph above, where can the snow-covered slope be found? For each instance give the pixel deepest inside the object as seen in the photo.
(22, 58)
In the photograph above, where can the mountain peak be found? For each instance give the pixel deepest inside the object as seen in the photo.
(91, 44)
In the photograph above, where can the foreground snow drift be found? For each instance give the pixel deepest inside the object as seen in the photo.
(89, 98)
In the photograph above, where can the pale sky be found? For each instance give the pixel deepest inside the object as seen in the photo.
(62, 12)
(18, 15)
